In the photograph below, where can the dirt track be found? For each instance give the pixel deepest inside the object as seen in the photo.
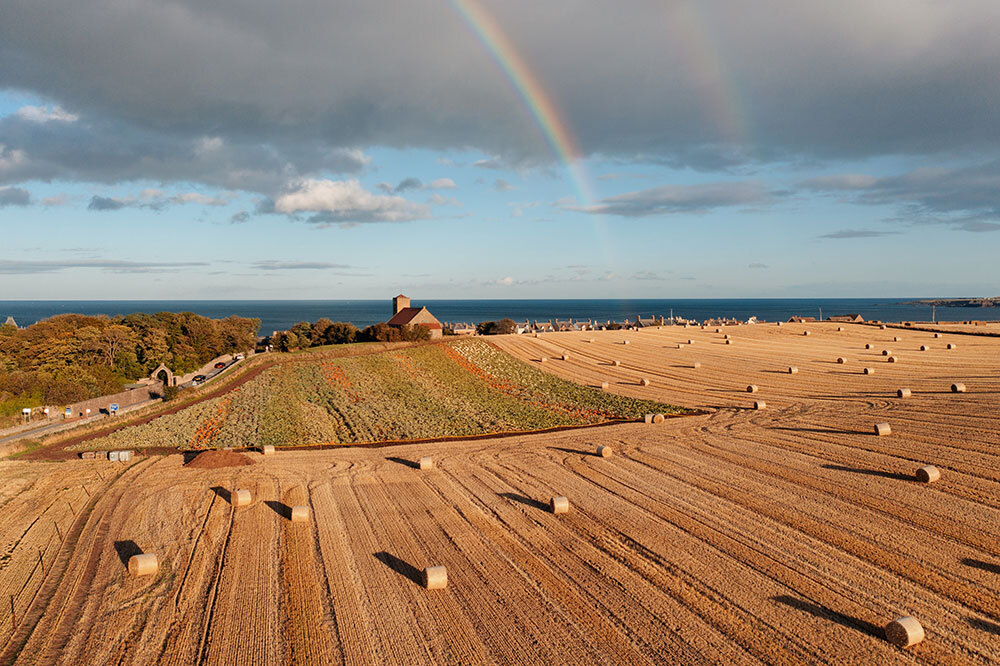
(789, 535)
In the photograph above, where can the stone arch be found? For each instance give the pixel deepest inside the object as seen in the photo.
(163, 375)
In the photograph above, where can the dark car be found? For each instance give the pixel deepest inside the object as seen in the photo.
(198, 379)
(220, 364)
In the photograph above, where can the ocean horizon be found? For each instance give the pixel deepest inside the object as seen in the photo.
(281, 315)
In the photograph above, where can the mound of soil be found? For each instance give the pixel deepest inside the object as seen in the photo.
(217, 459)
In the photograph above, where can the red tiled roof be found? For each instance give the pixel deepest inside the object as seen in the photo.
(406, 316)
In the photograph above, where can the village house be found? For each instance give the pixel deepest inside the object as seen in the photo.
(847, 318)
(404, 315)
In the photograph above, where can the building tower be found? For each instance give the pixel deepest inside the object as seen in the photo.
(398, 303)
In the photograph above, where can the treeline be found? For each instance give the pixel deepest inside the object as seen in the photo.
(71, 357)
(325, 332)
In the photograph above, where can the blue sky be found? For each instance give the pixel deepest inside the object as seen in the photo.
(140, 172)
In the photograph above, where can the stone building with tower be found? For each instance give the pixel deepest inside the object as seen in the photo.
(404, 315)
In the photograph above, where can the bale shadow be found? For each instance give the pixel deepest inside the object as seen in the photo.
(984, 625)
(190, 455)
(776, 372)
(825, 613)
(527, 501)
(404, 461)
(223, 493)
(871, 472)
(979, 564)
(126, 549)
(582, 452)
(280, 508)
(401, 567)
(826, 431)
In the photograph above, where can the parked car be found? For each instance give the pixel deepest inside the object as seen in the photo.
(198, 379)
(220, 365)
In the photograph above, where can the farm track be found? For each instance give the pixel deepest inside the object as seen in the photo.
(784, 536)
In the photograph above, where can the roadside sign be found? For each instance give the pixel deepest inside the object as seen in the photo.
(69, 411)
(113, 407)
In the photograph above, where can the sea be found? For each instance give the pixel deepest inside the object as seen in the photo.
(282, 315)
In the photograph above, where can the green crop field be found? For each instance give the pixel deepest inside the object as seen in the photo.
(466, 387)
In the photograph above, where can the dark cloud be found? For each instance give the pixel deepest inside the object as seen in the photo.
(105, 203)
(735, 82)
(501, 185)
(14, 196)
(240, 217)
(856, 233)
(19, 267)
(409, 184)
(668, 199)
(271, 265)
(103, 150)
(967, 198)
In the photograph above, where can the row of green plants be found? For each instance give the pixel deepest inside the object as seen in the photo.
(465, 387)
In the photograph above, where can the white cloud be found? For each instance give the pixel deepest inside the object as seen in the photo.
(44, 114)
(347, 201)
(505, 281)
(442, 184)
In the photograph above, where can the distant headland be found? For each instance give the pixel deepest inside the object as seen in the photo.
(993, 302)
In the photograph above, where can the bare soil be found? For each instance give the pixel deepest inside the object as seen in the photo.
(217, 459)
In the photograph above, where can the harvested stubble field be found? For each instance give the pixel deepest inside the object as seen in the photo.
(790, 535)
(462, 388)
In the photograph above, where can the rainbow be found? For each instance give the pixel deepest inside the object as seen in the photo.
(533, 95)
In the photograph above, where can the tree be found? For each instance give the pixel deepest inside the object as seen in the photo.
(284, 341)
(502, 327)
(340, 333)
(116, 339)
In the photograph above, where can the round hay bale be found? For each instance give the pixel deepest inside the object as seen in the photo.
(690, 342)
(958, 387)
(881, 327)
(805, 332)
(604, 451)
(241, 497)
(426, 463)
(903, 393)
(895, 338)
(300, 514)
(841, 360)
(725, 337)
(565, 357)
(729, 342)
(886, 352)
(144, 564)
(590, 339)
(868, 345)
(435, 578)
(792, 370)
(777, 323)
(840, 329)
(647, 418)
(951, 345)
(696, 365)
(268, 450)
(542, 359)
(616, 363)
(924, 348)
(869, 371)
(643, 382)
(718, 330)
(752, 388)
(759, 404)
(680, 346)
(604, 386)
(882, 429)
(658, 418)
(559, 504)
(937, 335)
(928, 474)
(625, 342)
(904, 632)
